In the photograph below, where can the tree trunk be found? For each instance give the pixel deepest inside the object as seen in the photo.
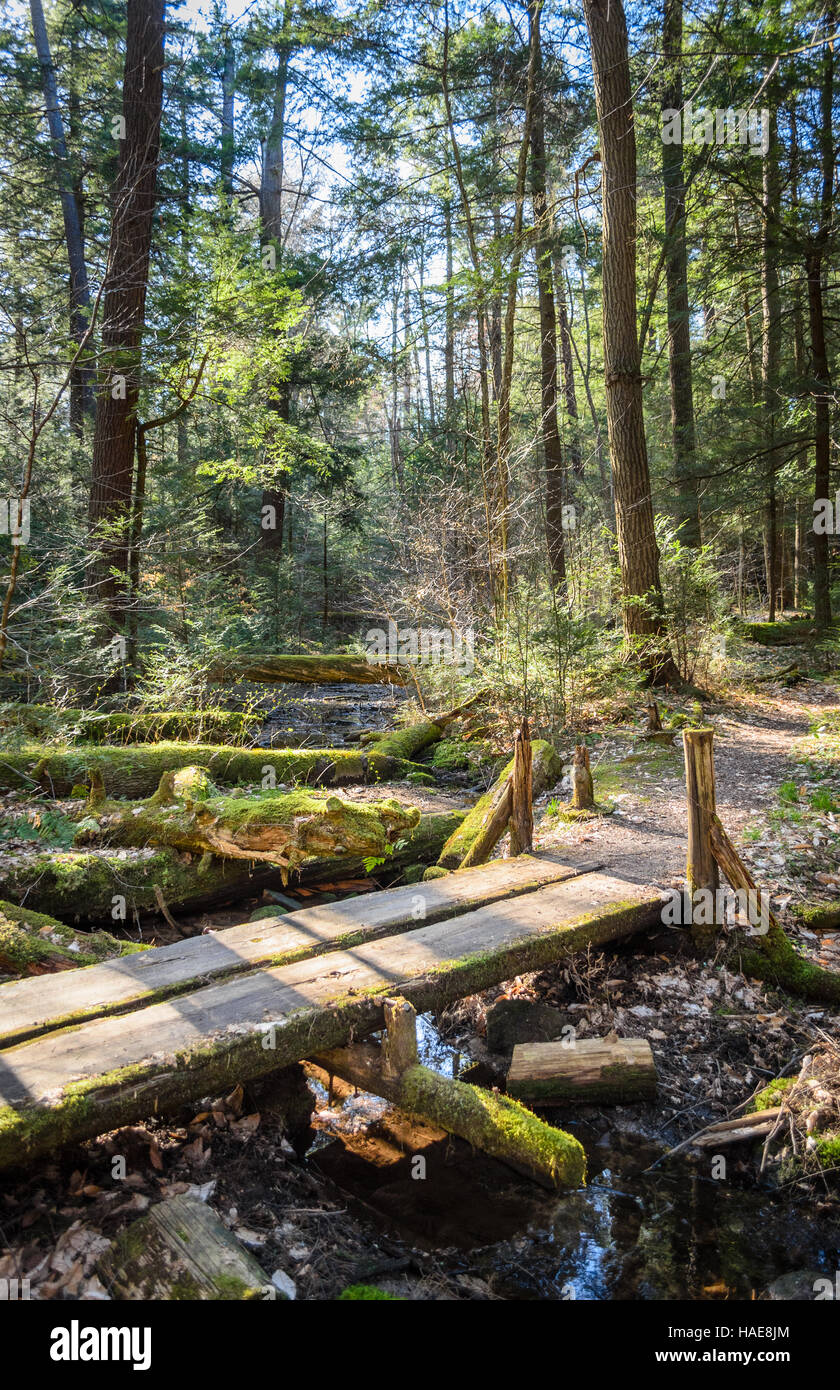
(125, 301)
(771, 351)
(816, 320)
(271, 217)
(644, 624)
(80, 383)
(228, 133)
(676, 280)
(552, 448)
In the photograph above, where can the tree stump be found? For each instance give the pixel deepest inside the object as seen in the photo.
(583, 792)
(522, 812)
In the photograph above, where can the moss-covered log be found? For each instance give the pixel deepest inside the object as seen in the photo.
(88, 726)
(32, 943)
(135, 771)
(187, 812)
(312, 670)
(495, 1124)
(97, 886)
(546, 769)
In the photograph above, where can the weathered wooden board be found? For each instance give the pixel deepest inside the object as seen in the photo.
(34, 1006)
(83, 1081)
(607, 1071)
(181, 1250)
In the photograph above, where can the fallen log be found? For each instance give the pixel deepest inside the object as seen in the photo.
(286, 828)
(181, 1250)
(310, 670)
(113, 1071)
(143, 726)
(546, 769)
(27, 1012)
(593, 1071)
(498, 1126)
(103, 886)
(769, 954)
(135, 770)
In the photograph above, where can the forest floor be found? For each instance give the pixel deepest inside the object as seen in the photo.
(351, 1212)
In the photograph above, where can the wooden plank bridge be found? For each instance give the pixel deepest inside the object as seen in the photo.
(88, 1051)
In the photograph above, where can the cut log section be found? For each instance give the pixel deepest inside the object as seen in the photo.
(309, 670)
(169, 970)
(181, 1250)
(82, 1081)
(594, 1071)
(498, 1126)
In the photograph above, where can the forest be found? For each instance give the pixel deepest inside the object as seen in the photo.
(419, 652)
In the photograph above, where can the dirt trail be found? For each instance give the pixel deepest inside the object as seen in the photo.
(645, 839)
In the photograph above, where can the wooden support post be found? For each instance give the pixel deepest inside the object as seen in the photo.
(522, 811)
(496, 1124)
(399, 1050)
(701, 868)
(583, 792)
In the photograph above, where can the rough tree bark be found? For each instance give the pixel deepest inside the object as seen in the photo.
(80, 396)
(816, 319)
(125, 302)
(552, 447)
(676, 281)
(644, 624)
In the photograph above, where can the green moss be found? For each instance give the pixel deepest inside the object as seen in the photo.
(496, 1124)
(776, 634)
(135, 772)
(547, 769)
(771, 1095)
(90, 726)
(408, 742)
(454, 755)
(420, 779)
(31, 941)
(828, 1150)
(816, 915)
(367, 1293)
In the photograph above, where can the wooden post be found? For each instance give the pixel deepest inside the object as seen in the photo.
(399, 1051)
(701, 867)
(522, 813)
(583, 792)
(654, 720)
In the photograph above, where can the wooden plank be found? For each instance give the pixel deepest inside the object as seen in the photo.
(83, 1081)
(181, 1250)
(31, 1007)
(591, 1070)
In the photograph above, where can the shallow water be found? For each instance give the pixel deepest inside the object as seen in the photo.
(673, 1233)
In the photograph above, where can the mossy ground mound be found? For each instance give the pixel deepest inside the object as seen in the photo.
(32, 943)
